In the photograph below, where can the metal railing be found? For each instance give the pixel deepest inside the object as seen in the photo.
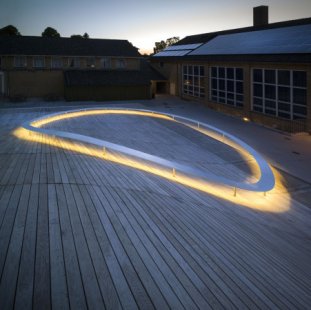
(265, 183)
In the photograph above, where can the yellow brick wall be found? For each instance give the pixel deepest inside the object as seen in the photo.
(35, 83)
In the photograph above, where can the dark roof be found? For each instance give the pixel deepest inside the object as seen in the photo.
(24, 45)
(278, 42)
(205, 37)
(285, 40)
(112, 77)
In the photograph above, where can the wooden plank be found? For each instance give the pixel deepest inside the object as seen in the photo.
(91, 288)
(4, 160)
(223, 254)
(16, 170)
(36, 171)
(43, 169)
(56, 169)
(133, 251)
(189, 279)
(162, 263)
(112, 260)
(73, 274)
(208, 270)
(25, 282)
(30, 169)
(140, 194)
(8, 223)
(59, 294)
(11, 165)
(42, 284)
(10, 271)
(4, 201)
(62, 170)
(104, 279)
(67, 169)
(22, 171)
(49, 169)
(81, 162)
(250, 248)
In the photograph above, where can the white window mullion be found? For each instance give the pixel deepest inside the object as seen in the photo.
(291, 94)
(277, 93)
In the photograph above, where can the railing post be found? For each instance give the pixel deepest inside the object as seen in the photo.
(104, 152)
(234, 192)
(174, 172)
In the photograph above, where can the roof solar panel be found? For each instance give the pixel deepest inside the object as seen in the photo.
(171, 53)
(295, 39)
(182, 47)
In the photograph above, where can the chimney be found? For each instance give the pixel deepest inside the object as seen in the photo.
(261, 15)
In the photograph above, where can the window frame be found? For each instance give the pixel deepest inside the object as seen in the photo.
(222, 95)
(75, 60)
(18, 64)
(35, 64)
(193, 81)
(284, 109)
(120, 63)
(90, 62)
(105, 62)
(61, 64)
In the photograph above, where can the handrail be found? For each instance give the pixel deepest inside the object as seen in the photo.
(265, 183)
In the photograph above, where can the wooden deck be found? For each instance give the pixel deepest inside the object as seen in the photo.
(82, 233)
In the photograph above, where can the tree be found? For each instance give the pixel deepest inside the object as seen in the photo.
(159, 46)
(9, 30)
(172, 41)
(50, 32)
(76, 36)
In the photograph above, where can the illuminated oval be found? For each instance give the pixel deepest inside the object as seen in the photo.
(265, 183)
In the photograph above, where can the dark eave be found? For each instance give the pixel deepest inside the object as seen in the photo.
(26, 45)
(273, 58)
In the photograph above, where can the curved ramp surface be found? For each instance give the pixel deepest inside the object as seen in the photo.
(265, 182)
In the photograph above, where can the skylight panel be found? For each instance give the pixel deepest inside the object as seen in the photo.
(183, 47)
(295, 39)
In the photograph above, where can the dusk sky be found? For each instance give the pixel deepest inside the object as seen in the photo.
(141, 22)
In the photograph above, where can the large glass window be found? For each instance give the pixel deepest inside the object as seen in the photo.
(56, 62)
(226, 85)
(20, 61)
(281, 93)
(90, 62)
(74, 62)
(120, 63)
(105, 62)
(38, 62)
(193, 81)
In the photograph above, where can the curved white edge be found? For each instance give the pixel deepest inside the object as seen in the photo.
(264, 184)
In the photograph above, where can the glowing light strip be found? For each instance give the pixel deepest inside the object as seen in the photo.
(265, 183)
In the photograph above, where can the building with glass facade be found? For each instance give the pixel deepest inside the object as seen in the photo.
(262, 72)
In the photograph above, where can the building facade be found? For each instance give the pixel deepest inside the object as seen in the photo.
(72, 68)
(261, 73)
